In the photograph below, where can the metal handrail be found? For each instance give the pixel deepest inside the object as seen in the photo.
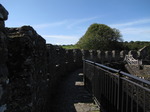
(118, 71)
(116, 90)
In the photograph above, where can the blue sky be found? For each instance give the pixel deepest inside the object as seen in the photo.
(65, 21)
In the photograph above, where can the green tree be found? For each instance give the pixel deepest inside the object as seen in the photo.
(102, 37)
(135, 45)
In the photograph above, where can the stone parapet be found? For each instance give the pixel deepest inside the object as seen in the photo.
(4, 80)
(27, 69)
(3, 13)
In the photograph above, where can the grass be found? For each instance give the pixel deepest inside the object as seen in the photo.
(69, 46)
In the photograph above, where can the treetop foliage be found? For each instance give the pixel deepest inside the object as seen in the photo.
(100, 36)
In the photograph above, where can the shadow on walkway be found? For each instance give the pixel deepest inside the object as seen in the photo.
(71, 96)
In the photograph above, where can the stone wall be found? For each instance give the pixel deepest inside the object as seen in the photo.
(27, 69)
(3, 59)
(35, 69)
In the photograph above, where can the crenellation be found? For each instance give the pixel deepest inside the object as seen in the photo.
(70, 60)
(142, 53)
(116, 56)
(123, 53)
(108, 56)
(77, 54)
(93, 55)
(100, 56)
(3, 13)
(104, 56)
(86, 54)
(69, 55)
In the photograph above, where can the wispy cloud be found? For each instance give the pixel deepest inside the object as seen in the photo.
(61, 39)
(74, 28)
(68, 23)
(137, 22)
(54, 24)
(60, 36)
(80, 21)
(136, 34)
(134, 30)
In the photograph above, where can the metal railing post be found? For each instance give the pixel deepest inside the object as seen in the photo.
(119, 100)
(84, 74)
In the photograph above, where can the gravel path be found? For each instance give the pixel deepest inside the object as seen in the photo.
(71, 95)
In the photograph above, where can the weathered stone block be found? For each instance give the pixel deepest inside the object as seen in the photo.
(77, 54)
(27, 68)
(123, 53)
(2, 25)
(115, 56)
(100, 56)
(93, 55)
(108, 56)
(133, 53)
(86, 54)
(3, 13)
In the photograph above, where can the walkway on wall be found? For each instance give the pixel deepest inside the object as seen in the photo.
(71, 95)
